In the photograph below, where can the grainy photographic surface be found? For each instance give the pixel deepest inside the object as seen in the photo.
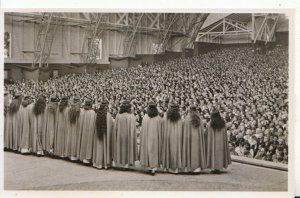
(146, 101)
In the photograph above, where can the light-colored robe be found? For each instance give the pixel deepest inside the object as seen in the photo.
(193, 146)
(86, 133)
(49, 126)
(172, 145)
(151, 141)
(218, 155)
(26, 114)
(102, 150)
(61, 131)
(124, 138)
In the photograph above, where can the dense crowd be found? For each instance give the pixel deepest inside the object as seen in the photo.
(250, 89)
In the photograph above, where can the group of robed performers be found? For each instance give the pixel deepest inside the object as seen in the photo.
(67, 129)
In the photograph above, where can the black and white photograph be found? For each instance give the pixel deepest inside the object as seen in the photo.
(146, 101)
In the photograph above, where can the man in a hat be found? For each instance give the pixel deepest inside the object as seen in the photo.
(102, 149)
(124, 137)
(86, 132)
(51, 112)
(62, 127)
(151, 138)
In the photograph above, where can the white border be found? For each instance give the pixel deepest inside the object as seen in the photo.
(227, 6)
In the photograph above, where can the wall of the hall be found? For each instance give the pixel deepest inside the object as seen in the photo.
(68, 43)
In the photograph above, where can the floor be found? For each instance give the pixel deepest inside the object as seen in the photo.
(44, 173)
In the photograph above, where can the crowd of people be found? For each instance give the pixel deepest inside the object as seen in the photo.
(250, 89)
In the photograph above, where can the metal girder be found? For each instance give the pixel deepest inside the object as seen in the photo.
(44, 40)
(195, 26)
(130, 37)
(225, 27)
(265, 31)
(169, 20)
(92, 40)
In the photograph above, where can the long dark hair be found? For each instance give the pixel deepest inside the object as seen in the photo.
(39, 106)
(74, 111)
(15, 104)
(195, 117)
(216, 121)
(152, 111)
(173, 113)
(125, 108)
(101, 120)
(62, 105)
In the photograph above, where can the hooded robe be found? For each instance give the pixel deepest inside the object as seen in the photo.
(86, 133)
(36, 131)
(73, 132)
(218, 155)
(172, 145)
(193, 146)
(124, 138)
(12, 128)
(26, 114)
(61, 132)
(151, 141)
(102, 150)
(51, 113)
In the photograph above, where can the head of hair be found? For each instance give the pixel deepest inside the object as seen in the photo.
(101, 119)
(15, 104)
(74, 111)
(152, 110)
(173, 113)
(195, 117)
(39, 106)
(216, 121)
(125, 107)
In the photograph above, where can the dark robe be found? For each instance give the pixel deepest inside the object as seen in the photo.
(193, 146)
(151, 141)
(51, 112)
(124, 138)
(26, 114)
(86, 133)
(102, 151)
(61, 132)
(218, 155)
(172, 145)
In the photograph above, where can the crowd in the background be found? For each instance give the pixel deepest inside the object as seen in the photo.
(250, 89)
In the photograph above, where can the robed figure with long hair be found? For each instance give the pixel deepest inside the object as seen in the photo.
(87, 119)
(12, 124)
(124, 137)
(218, 155)
(193, 144)
(151, 139)
(102, 150)
(172, 140)
(36, 125)
(51, 114)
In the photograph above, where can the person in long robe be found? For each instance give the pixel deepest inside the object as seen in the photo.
(102, 151)
(36, 126)
(193, 144)
(74, 113)
(7, 102)
(172, 140)
(26, 113)
(124, 138)
(218, 155)
(12, 124)
(87, 119)
(50, 125)
(151, 141)
(61, 128)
